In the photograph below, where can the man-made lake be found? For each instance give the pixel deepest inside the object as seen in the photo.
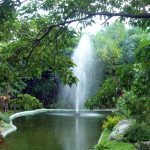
(55, 131)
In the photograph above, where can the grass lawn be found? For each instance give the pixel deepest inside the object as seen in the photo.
(4, 120)
(5, 116)
(114, 145)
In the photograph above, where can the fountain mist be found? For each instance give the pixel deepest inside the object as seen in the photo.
(83, 57)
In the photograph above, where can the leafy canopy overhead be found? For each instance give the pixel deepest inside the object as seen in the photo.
(63, 12)
(125, 56)
(35, 34)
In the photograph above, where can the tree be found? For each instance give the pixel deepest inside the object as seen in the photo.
(31, 36)
(108, 46)
(7, 9)
(62, 13)
(126, 72)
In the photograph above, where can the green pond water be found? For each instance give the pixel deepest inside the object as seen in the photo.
(55, 131)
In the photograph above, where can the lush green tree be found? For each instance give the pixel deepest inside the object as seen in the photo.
(15, 54)
(44, 88)
(141, 82)
(84, 11)
(25, 102)
(7, 10)
(129, 105)
(34, 34)
(126, 64)
(108, 46)
(104, 98)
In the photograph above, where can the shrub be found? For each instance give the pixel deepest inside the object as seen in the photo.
(25, 102)
(91, 103)
(100, 147)
(61, 105)
(125, 75)
(130, 106)
(104, 98)
(141, 68)
(4, 117)
(125, 102)
(15, 104)
(110, 122)
(138, 132)
(143, 146)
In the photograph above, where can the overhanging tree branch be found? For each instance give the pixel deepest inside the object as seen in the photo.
(88, 15)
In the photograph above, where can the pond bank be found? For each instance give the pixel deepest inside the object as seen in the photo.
(114, 145)
(11, 128)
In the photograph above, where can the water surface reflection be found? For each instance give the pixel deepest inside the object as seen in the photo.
(55, 132)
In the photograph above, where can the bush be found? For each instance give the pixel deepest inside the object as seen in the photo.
(104, 97)
(4, 117)
(25, 102)
(61, 105)
(91, 103)
(125, 103)
(125, 75)
(100, 147)
(138, 132)
(110, 122)
(130, 106)
(143, 146)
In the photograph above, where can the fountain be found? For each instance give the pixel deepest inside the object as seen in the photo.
(57, 128)
(83, 57)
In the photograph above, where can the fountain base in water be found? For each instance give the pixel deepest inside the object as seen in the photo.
(76, 114)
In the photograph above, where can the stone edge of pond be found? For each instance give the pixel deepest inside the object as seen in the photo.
(13, 128)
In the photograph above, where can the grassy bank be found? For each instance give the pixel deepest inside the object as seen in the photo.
(4, 120)
(114, 145)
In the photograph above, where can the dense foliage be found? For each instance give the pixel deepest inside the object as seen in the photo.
(110, 122)
(126, 85)
(104, 97)
(36, 41)
(36, 36)
(138, 132)
(125, 68)
(25, 102)
(130, 106)
(112, 145)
